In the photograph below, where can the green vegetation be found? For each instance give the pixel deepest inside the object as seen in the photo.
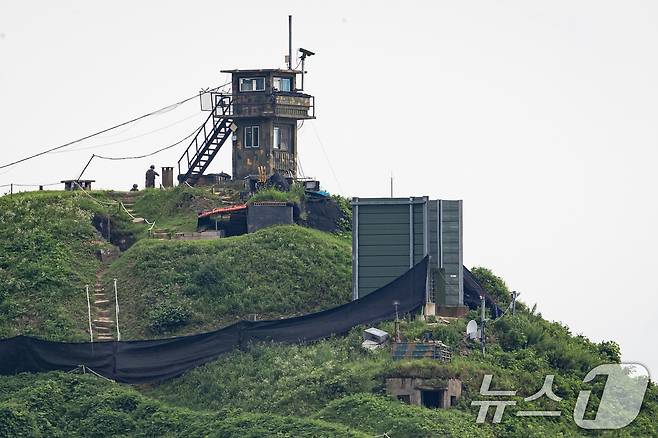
(48, 246)
(345, 221)
(337, 381)
(48, 249)
(177, 209)
(169, 287)
(375, 415)
(295, 195)
(494, 285)
(65, 405)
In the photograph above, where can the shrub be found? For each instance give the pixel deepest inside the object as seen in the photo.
(379, 415)
(16, 421)
(295, 195)
(493, 285)
(168, 316)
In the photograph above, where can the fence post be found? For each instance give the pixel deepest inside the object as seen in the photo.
(116, 302)
(91, 331)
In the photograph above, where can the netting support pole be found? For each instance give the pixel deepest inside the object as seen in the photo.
(91, 331)
(116, 302)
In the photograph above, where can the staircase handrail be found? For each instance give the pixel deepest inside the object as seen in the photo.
(225, 107)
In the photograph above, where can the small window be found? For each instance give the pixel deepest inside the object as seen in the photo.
(277, 138)
(252, 84)
(252, 137)
(282, 137)
(281, 84)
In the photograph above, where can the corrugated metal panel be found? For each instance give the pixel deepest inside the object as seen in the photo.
(452, 252)
(382, 244)
(392, 234)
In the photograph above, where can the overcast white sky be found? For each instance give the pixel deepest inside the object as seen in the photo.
(540, 115)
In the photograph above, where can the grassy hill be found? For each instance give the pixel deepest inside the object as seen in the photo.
(169, 287)
(48, 253)
(48, 247)
(330, 388)
(66, 405)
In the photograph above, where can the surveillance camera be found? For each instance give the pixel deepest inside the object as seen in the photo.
(306, 52)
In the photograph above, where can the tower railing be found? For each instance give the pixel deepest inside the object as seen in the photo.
(284, 161)
(207, 133)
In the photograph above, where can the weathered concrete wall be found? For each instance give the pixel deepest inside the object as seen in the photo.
(412, 387)
(261, 216)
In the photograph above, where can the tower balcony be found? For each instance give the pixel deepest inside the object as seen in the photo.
(291, 105)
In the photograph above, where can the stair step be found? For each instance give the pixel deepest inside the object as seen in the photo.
(101, 302)
(138, 220)
(102, 330)
(104, 338)
(103, 321)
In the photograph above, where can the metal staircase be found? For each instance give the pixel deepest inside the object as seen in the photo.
(208, 140)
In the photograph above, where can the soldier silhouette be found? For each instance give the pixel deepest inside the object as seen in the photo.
(150, 177)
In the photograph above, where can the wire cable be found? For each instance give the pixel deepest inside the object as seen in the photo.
(196, 130)
(36, 185)
(129, 138)
(164, 109)
(326, 157)
(151, 153)
(30, 185)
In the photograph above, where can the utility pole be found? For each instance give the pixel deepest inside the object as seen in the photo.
(11, 190)
(290, 43)
(483, 338)
(397, 321)
(391, 185)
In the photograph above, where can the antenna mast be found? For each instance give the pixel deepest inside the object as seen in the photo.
(289, 42)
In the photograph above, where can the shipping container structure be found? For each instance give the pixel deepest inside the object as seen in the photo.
(390, 235)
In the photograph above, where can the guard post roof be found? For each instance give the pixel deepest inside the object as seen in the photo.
(263, 70)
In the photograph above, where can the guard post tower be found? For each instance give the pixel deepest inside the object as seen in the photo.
(260, 116)
(267, 104)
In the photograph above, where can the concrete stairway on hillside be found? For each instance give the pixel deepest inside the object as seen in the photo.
(128, 201)
(103, 323)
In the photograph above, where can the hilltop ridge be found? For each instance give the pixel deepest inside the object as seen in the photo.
(51, 245)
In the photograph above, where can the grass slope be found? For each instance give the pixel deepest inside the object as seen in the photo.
(48, 247)
(335, 380)
(48, 251)
(173, 287)
(176, 209)
(327, 388)
(65, 405)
